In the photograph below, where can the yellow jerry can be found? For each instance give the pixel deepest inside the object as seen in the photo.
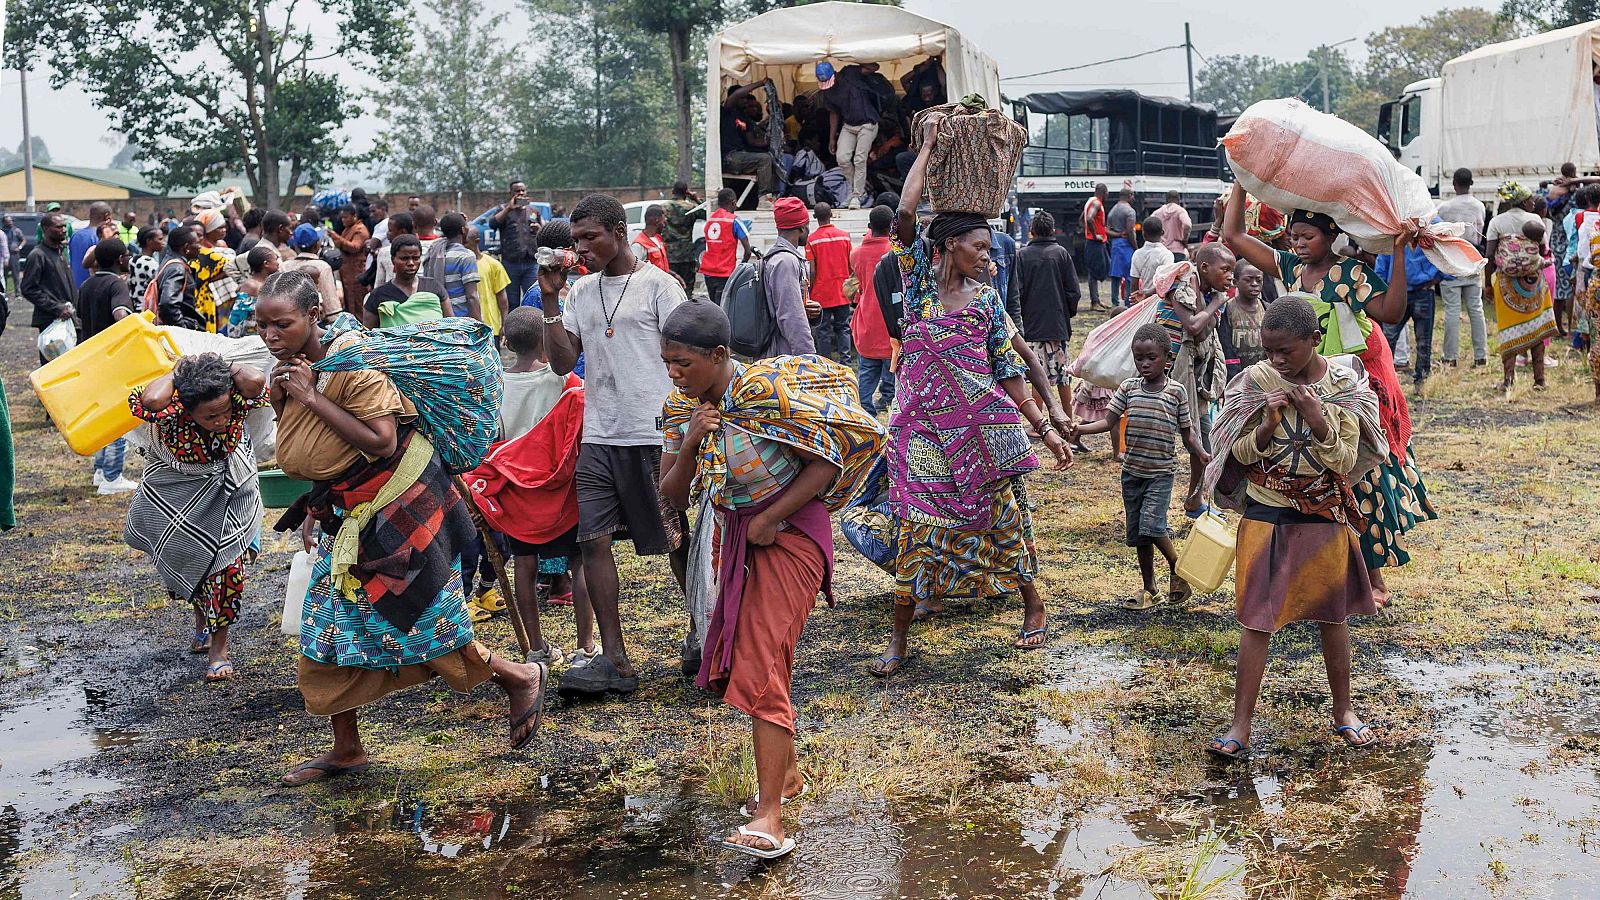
(85, 390)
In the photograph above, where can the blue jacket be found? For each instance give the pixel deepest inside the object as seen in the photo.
(1418, 268)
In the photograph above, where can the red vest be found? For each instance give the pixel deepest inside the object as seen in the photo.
(721, 244)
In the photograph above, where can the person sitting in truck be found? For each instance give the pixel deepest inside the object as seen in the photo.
(745, 150)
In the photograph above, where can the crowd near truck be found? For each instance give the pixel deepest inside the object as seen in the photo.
(786, 44)
(1513, 110)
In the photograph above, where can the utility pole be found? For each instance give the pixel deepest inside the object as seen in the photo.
(1188, 58)
(1327, 105)
(27, 135)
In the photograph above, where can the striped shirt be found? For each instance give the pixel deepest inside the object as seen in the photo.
(1156, 419)
(460, 270)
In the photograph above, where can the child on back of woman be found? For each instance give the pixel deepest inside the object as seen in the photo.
(198, 508)
(1297, 430)
(1158, 414)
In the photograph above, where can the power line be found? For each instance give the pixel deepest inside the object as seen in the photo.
(1092, 64)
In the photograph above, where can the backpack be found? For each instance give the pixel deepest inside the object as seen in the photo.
(151, 302)
(752, 325)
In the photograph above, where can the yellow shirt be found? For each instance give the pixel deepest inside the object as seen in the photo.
(492, 280)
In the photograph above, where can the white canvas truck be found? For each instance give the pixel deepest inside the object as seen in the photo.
(1513, 110)
(786, 44)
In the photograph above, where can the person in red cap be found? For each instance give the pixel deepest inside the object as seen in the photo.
(784, 272)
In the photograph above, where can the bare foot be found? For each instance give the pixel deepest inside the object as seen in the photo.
(1380, 588)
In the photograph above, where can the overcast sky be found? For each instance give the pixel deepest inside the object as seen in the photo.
(1024, 36)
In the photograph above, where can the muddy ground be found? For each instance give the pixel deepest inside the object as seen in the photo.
(978, 771)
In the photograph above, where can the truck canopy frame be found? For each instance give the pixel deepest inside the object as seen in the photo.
(1117, 132)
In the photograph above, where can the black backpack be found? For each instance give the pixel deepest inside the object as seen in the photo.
(751, 323)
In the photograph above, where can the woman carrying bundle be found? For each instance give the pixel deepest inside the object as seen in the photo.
(773, 446)
(959, 450)
(385, 609)
(198, 508)
(1347, 296)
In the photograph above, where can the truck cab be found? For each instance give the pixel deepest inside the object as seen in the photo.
(1409, 126)
(1119, 138)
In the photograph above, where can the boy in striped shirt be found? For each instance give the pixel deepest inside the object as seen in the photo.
(1157, 409)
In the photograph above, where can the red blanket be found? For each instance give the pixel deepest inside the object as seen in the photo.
(525, 487)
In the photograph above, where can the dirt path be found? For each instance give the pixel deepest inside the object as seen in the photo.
(978, 771)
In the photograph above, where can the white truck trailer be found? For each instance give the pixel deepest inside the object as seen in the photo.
(1513, 110)
(786, 44)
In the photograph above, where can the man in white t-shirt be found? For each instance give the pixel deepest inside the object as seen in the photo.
(1147, 260)
(1465, 292)
(613, 316)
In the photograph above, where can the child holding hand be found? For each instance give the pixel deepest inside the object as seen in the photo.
(1157, 409)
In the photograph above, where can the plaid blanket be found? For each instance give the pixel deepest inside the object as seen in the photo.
(407, 551)
(194, 519)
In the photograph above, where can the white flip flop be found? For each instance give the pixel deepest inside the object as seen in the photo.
(778, 850)
(804, 790)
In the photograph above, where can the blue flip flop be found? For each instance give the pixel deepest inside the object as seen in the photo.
(1024, 633)
(888, 665)
(1219, 747)
(1351, 735)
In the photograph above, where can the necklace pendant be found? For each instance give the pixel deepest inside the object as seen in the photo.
(610, 332)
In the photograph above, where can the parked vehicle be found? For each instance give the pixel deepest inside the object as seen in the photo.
(785, 44)
(1512, 110)
(1119, 138)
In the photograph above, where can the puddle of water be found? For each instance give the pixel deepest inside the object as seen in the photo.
(1480, 809)
(39, 742)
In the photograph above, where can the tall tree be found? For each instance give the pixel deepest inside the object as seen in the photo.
(598, 111)
(445, 122)
(1233, 82)
(1534, 16)
(1402, 54)
(677, 22)
(209, 88)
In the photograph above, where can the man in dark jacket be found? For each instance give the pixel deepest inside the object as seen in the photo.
(46, 278)
(175, 283)
(1046, 285)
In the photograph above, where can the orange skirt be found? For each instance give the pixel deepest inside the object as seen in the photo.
(329, 690)
(780, 588)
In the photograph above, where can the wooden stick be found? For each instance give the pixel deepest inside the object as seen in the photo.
(498, 564)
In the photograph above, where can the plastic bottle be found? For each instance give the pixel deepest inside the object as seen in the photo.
(556, 258)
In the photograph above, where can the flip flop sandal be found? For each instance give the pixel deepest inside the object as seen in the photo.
(490, 600)
(756, 800)
(328, 770)
(1024, 633)
(561, 600)
(888, 665)
(923, 612)
(535, 712)
(1219, 747)
(479, 614)
(1146, 600)
(201, 642)
(215, 670)
(1351, 734)
(778, 849)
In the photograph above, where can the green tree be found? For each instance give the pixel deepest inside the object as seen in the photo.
(598, 110)
(1233, 82)
(208, 88)
(1534, 16)
(445, 127)
(1402, 54)
(678, 22)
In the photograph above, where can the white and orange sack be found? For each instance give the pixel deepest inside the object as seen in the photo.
(1292, 157)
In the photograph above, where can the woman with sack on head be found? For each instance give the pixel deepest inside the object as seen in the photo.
(1348, 296)
(385, 609)
(767, 450)
(959, 450)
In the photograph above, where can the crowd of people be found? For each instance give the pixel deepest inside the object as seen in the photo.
(922, 360)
